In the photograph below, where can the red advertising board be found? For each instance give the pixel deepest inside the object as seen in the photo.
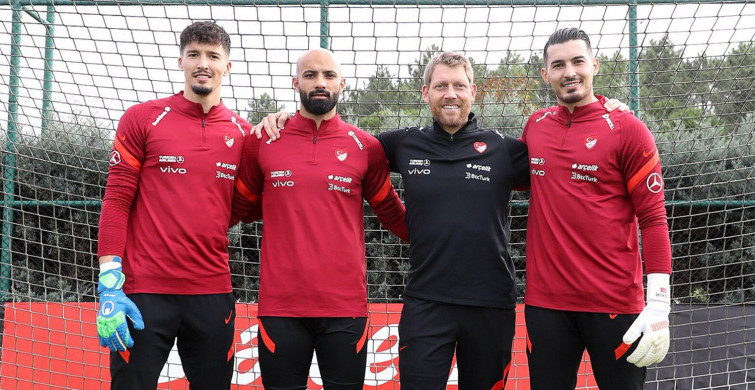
(54, 346)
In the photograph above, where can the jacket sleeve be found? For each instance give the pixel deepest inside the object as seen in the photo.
(520, 163)
(390, 140)
(641, 164)
(247, 194)
(380, 194)
(126, 160)
(524, 183)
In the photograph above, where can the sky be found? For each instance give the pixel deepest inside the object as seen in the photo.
(108, 58)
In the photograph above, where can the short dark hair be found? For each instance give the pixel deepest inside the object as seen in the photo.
(566, 35)
(205, 32)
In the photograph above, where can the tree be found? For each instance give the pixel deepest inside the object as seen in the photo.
(54, 246)
(612, 79)
(732, 92)
(387, 101)
(260, 108)
(384, 95)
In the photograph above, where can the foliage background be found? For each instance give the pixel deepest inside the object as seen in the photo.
(701, 111)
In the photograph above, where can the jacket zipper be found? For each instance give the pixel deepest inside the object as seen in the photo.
(566, 132)
(314, 145)
(204, 132)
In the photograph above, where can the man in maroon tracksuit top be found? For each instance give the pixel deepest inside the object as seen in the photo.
(594, 177)
(313, 293)
(162, 233)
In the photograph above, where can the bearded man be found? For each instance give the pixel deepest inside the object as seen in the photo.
(313, 290)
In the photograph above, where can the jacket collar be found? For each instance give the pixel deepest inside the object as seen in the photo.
(302, 124)
(584, 113)
(465, 130)
(195, 110)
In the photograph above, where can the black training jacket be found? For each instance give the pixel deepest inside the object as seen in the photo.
(457, 189)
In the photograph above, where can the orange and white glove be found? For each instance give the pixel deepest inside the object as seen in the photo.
(652, 324)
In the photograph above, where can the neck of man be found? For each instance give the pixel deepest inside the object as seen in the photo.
(587, 100)
(317, 118)
(207, 101)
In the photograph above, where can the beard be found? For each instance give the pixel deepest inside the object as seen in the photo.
(450, 122)
(201, 89)
(573, 97)
(318, 106)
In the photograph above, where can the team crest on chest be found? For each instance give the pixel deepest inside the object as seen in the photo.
(228, 139)
(341, 154)
(480, 147)
(590, 141)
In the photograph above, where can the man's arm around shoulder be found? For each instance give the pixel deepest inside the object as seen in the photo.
(390, 140)
(380, 193)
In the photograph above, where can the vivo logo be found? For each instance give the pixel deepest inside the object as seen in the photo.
(280, 183)
(417, 171)
(169, 169)
(538, 172)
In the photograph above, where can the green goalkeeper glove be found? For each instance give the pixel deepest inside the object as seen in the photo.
(115, 306)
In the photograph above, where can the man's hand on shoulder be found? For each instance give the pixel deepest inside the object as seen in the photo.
(616, 104)
(272, 124)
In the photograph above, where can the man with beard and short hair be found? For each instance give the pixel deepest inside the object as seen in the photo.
(313, 291)
(600, 179)
(164, 272)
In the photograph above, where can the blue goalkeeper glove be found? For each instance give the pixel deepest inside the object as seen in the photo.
(115, 306)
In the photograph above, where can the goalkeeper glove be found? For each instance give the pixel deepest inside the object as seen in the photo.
(652, 323)
(115, 306)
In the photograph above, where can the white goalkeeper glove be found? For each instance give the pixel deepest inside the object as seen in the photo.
(652, 323)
